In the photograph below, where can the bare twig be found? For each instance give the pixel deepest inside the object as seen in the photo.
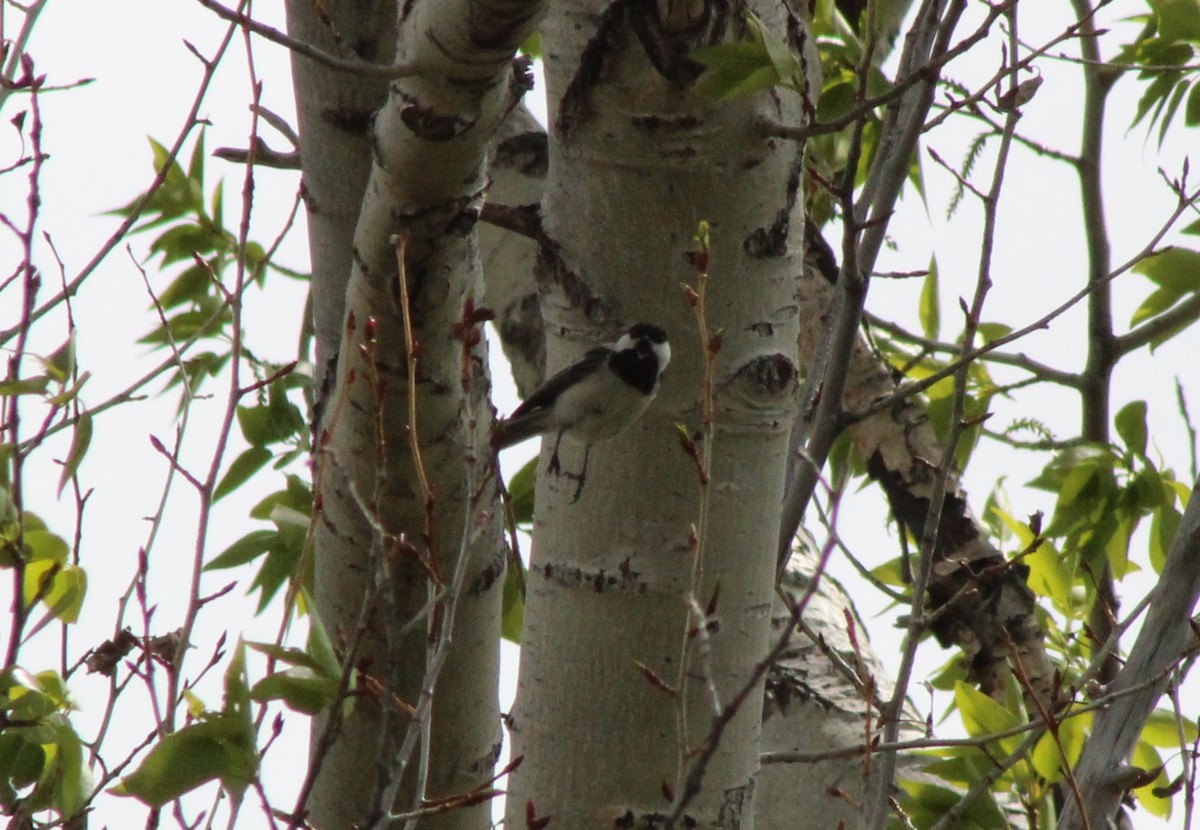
(918, 622)
(352, 66)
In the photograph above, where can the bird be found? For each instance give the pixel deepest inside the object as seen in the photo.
(596, 397)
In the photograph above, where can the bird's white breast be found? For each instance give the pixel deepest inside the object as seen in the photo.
(599, 407)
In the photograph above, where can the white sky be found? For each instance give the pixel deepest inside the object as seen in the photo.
(100, 159)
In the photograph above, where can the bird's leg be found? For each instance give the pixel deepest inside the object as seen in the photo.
(554, 468)
(582, 475)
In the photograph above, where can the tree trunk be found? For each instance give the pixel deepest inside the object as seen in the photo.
(637, 160)
(409, 554)
(335, 110)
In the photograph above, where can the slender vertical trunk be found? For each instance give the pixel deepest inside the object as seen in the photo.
(335, 110)
(1102, 341)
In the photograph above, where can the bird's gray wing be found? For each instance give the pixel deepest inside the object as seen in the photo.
(532, 417)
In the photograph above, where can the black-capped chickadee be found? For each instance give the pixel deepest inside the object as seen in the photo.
(596, 397)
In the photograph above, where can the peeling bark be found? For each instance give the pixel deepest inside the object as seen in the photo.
(985, 607)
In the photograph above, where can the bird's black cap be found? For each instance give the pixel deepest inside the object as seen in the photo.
(651, 332)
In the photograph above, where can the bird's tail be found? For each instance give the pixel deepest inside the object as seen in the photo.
(514, 430)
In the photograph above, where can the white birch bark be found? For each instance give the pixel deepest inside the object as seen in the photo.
(335, 110)
(517, 168)
(811, 705)
(427, 182)
(637, 160)
(815, 705)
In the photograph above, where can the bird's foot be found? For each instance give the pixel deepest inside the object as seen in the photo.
(554, 468)
(578, 478)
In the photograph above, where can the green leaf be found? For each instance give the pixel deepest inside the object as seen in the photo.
(1163, 527)
(728, 83)
(512, 615)
(69, 781)
(44, 582)
(21, 760)
(276, 569)
(190, 286)
(62, 596)
(760, 62)
(1155, 303)
(924, 803)
(25, 386)
(779, 52)
(179, 763)
(237, 688)
(1163, 730)
(1172, 106)
(950, 675)
(1146, 492)
(299, 689)
(1131, 426)
(286, 416)
(1177, 19)
(218, 204)
(1147, 757)
(244, 466)
(286, 654)
(195, 169)
(80, 442)
(318, 644)
(254, 256)
(1174, 269)
(837, 99)
(983, 716)
(61, 363)
(929, 309)
(248, 548)
(521, 488)
(1048, 759)
(25, 700)
(1048, 575)
(1191, 113)
(891, 572)
(42, 545)
(53, 686)
(270, 424)
(297, 496)
(531, 47)
(993, 331)
(187, 241)
(186, 325)
(219, 747)
(70, 393)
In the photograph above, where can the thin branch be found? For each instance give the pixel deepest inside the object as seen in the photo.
(191, 121)
(264, 156)
(1166, 636)
(880, 786)
(1164, 325)
(352, 66)
(1019, 360)
(870, 104)
(1043, 322)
